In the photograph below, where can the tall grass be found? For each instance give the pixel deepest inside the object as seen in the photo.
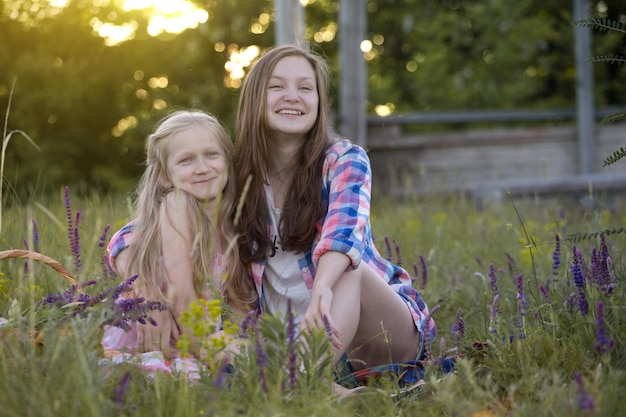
(509, 307)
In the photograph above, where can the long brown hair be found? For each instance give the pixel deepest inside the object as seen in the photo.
(303, 206)
(213, 235)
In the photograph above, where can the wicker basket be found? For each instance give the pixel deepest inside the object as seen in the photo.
(36, 256)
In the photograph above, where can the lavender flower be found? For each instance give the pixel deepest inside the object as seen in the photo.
(458, 328)
(399, 257)
(261, 358)
(584, 399)
(604, 264)
(121, 311)
(595, 268)
(493, 313)
(415, 273)
(291, 346)
(521, 297)
(603, 344)
(327, 328)
(35, 236)
(76, 244)
(546, 294)
(579, 281)
(493, 279)
(107, 271)
(479, 261)
(68, 215)
(556, 255)
(388, 248)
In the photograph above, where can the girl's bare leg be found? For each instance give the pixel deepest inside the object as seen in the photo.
(376, 325)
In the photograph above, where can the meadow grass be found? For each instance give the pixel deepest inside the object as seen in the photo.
(537, 331)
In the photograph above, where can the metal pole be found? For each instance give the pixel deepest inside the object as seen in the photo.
(584, 92)
(352, 73)
(289, 22)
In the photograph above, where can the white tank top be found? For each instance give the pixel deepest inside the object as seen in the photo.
(282, 278)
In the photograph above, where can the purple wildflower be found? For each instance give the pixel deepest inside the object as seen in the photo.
(479, 261)
(556, 255)
(107, 271)
(546, 294)
(415, 273)
(603, 344)
(458, 328)
(261, 359)
(123, 311)
(493, 313)
(579, 281)
(399, 257)
(76, 244)
(388, 248)
(521, 297)
(68, 213)
(584, 400)
(604, 263)
(35, 236)
(327, 328)
(595, 268)
(291, 346)
(424, 271)
(493, 279)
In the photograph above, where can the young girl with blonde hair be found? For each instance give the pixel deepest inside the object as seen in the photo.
(181, 241)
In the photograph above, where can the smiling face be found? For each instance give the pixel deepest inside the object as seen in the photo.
(196, 163)
(292, 97)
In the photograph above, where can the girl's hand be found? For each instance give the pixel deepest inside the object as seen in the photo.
(317, 315)
(158, 338)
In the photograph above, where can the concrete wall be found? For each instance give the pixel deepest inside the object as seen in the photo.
(519, 160)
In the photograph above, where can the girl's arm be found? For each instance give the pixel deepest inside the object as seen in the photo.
(176, 241)
(348, 184)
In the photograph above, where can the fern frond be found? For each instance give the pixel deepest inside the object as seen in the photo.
(617, 155)
(613, 118)
(579, 237)
(610, 58)
(602, 25)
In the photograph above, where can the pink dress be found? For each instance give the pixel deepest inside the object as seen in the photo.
(120, 346)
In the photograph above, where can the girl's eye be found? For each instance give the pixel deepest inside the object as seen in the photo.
(185, 160)
(275, 87)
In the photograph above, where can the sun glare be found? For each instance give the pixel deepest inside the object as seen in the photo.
(170, 16)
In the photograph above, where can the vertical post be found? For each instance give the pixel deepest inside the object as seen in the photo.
(585, 110)
(352, 73)
(289, 22)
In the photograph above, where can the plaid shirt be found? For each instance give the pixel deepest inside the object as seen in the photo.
(346, 193)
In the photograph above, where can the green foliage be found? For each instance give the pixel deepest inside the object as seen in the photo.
(523, 365)
(89, 106)
(613, 27)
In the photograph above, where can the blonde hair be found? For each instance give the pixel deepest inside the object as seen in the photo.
(212, 235)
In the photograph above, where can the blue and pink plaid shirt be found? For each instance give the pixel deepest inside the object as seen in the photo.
(346, 194)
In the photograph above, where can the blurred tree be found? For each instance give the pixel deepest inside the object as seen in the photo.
(88, 102)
